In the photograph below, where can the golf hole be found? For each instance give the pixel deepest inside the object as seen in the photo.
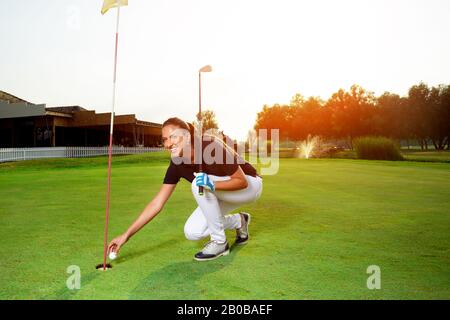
(100, 267)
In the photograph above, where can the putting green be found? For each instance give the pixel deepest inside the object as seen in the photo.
(317, 227)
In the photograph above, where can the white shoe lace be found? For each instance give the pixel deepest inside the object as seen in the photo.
(210, 244)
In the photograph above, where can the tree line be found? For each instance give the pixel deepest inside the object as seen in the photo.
(423, 115)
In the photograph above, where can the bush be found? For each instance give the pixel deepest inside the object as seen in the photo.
(377, 148)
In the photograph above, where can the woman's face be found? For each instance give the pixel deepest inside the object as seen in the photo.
(175, 139)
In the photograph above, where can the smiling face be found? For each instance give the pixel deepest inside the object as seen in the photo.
(175, 139)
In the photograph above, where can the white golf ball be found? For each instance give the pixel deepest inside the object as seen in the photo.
(112, 255)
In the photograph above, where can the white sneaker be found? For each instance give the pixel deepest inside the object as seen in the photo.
(212, 250)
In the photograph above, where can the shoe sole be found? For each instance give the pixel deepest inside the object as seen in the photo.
(248, 232)
(226, 252)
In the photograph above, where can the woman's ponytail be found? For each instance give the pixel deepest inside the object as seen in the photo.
(191, 131)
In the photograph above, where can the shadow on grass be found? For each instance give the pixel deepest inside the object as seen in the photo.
(67, 294)
(180, 280)
(136, 254)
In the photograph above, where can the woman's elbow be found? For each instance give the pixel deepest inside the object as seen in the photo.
(156, 206)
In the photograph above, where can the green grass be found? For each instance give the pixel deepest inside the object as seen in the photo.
(317, 227)
(408, 154)
(427, 156)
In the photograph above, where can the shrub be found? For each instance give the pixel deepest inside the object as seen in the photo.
(377, 148)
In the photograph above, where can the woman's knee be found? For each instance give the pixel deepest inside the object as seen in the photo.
(193, 235)
(193, 230)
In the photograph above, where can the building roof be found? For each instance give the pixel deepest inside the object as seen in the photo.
(68, 109)
(147, 123)
(10, 98)
(13, 107)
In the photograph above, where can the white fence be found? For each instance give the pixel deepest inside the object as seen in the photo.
(14, 154)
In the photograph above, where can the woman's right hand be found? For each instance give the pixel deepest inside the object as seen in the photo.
(117, 243)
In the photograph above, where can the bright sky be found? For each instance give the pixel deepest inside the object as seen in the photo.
(262, 52)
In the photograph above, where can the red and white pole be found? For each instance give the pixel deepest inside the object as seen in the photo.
(105, 251)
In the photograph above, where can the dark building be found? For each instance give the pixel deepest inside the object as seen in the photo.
(24, 124)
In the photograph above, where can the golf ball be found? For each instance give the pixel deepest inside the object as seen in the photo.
(112, 255)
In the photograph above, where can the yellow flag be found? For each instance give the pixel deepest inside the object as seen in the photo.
(108, 4)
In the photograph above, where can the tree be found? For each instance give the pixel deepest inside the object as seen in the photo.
(423, 115)
(297, 101)
(391, 117)
(445, 109)
(307, 118)
(351, 112)
(418, 100)
(275, 117)
(208, 120)
(439, 115)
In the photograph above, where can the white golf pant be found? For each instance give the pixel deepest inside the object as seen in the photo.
(211, 217)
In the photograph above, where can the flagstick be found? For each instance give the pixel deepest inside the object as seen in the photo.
(110, 142)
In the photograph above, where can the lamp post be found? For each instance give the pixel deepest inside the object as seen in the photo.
(206, 68)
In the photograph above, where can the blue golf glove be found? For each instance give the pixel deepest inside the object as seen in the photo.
(202, 180)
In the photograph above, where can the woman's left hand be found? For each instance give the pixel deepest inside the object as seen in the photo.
(202, 180)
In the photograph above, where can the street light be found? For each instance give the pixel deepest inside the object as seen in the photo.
(206, 68)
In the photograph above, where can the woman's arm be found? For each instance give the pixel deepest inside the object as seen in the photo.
(150, 211)
(237, 182)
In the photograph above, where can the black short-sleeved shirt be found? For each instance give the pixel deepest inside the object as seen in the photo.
(222, 167)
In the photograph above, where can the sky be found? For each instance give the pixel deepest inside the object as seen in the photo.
(61, 52)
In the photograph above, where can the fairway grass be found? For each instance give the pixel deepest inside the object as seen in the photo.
(427, 156)
(318, 226)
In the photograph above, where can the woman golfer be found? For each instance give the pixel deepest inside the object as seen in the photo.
(228, 182)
